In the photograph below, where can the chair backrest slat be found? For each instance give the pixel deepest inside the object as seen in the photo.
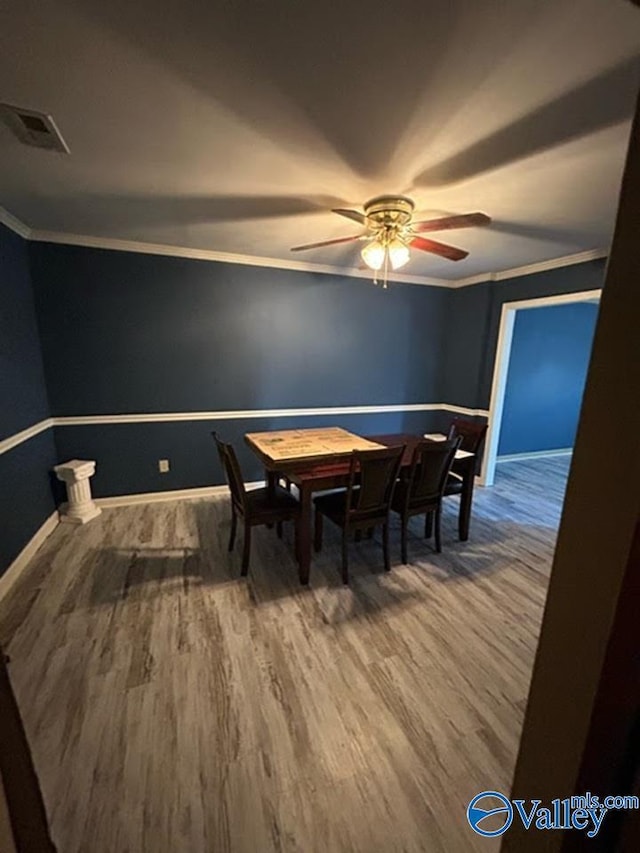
(232, 472)
(472, 434)
(375, 472)
(430, 466)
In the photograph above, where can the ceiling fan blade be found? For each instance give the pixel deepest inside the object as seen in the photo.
(449, 252)
(327, 243)
(464, 220)
(351, 214)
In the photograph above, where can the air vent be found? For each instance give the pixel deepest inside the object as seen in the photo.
(33, 128)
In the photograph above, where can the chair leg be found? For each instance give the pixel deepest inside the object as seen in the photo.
(345, 556)
(317, 534)
(438, 542)
(279, 529)
(234, 527)
(385, 546)
(246, 551)
(403, 539)
(428, 525)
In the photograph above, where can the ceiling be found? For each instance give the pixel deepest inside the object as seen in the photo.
(235, 125)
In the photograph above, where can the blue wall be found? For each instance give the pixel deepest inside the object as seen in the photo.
(130, 333)
(26, 498)
(474, 321)
(547, 370)
(126, 333)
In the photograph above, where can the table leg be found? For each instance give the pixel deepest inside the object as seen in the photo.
(304, 541)
(465, 502)
(271, 480)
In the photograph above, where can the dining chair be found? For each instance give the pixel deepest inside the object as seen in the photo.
(256, 506)
(473, 435)
(365, 503)
(421, 490)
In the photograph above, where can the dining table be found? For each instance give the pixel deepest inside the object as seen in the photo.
(317, 460)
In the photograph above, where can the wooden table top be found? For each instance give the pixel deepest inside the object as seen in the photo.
(298, 445)
(327, 449)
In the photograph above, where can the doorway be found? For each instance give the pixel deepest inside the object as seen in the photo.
(501, 368)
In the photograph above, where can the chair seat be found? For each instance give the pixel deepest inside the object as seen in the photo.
(332, 504)
(279, 503)
(400, 496)
(453, 485)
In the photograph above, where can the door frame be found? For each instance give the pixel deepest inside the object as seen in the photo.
(501, 368)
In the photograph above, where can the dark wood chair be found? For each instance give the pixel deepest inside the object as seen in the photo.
(257, 506)
(421, 490)
(365, 503)
(472, 435)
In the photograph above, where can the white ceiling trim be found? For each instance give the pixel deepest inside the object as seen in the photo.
(223, 257)
(538, 266)
(14, 224)
(118, 245)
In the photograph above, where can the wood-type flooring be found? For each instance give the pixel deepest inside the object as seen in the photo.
(173, 707)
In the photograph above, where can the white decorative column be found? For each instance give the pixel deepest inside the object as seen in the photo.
(80, 507)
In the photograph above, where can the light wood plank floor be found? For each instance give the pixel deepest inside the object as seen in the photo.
(174, 708)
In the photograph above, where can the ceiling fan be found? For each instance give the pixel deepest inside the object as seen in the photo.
(390, 233)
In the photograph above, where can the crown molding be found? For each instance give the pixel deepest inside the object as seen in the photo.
(14, 224)
(530, 269)
(118, 245)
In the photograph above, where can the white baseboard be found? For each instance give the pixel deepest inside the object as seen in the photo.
(19, 564)
(170, 495)
(537, 454)
(9, 578)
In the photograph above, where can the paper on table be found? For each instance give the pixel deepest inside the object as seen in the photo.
(285, 445)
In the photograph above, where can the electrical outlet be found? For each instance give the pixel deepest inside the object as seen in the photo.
(163, 466)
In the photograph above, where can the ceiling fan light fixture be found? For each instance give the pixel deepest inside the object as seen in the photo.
(398, 253)
(390, 233)
(373, 255)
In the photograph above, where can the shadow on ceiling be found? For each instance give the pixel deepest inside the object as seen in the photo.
(602, 102)
(308, 75)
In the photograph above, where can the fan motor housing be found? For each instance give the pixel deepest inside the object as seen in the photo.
(387, 210)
